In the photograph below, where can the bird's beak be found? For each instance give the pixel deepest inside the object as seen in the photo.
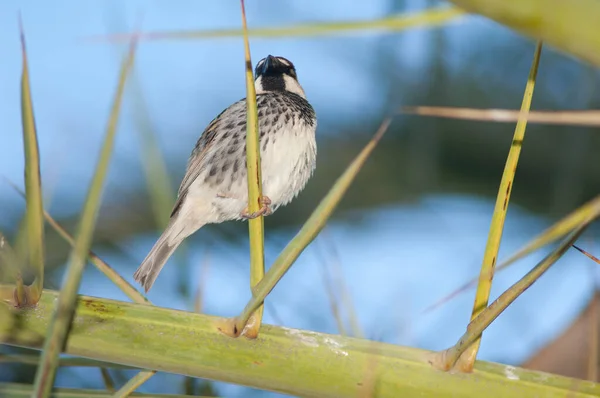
(269, 63)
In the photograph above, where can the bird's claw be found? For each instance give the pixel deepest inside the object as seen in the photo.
(265, 209)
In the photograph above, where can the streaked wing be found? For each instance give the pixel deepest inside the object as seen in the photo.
(195, 163)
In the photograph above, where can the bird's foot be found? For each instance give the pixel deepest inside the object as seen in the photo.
(265, 209)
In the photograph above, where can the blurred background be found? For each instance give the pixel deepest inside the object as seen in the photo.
(414, 224)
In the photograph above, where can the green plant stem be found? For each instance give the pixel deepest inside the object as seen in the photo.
(256, 225)
(308, 232)
(102, 266)
(557, 231)
(133, 383)
(33, 192)
(449, 357)
(109, 384)
(60, 325)
(492, 247)
(570, 26)
(290, 361)
(394, 23)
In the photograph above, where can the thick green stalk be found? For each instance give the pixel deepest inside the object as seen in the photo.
(569, 25)
(290, 361)
(61, 322)
(102, 266)
(256, 225)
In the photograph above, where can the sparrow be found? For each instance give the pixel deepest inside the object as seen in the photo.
(214, 188)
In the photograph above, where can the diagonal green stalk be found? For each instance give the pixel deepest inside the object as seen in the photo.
(307, 233)
(557, 231)
(102, 266)
(446, 359)
(133, 383)
(158, 182)
(33, 191)
(98, 262)
(497, 225)
(61, 321)
(255, 225)
(109, 384)
(566, 225)
(395, 23)
(113, 275)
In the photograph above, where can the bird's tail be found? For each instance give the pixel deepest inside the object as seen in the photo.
(148, 271)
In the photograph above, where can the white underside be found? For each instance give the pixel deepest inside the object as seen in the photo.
(282, 179)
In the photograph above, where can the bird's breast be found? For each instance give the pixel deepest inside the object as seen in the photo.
(287, 125)
(288, 158)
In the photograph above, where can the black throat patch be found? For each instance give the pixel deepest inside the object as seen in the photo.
(273, 82)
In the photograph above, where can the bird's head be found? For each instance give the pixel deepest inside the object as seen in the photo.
(276, 74)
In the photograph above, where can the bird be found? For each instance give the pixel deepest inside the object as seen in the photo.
(214, 188)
